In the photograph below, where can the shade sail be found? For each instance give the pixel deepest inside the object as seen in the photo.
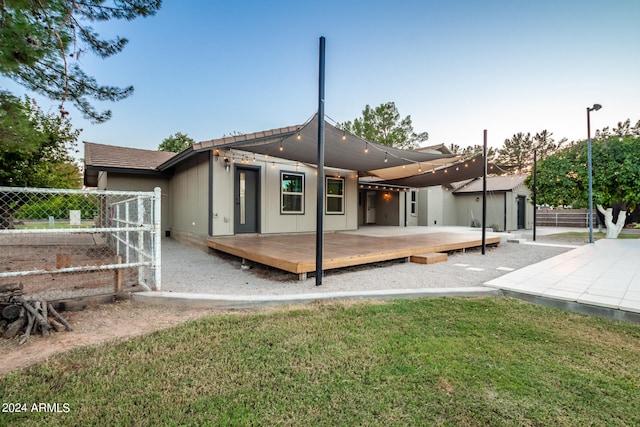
(342, 151)
(468, 169)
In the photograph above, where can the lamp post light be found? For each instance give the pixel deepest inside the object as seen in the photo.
(595, 107)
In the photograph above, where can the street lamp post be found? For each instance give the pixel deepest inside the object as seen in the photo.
(595, 107)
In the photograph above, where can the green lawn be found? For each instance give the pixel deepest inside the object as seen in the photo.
(58, 223)
(493, 361)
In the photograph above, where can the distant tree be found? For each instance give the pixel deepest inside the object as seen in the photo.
(384, 125)
(176, 143)
(545, 145)
(563, 178)
(35, 146)
(41, 43)
(518, 151)
(474, 150)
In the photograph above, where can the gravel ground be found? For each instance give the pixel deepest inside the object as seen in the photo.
(185, 269)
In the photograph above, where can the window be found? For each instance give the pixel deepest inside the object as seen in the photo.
(414, 199)
(291, 193)
(335, 196)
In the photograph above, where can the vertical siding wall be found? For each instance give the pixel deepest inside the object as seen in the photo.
(190, 197)
(271, 220)
(121, 182)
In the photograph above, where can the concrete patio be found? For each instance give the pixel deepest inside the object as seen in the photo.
(600, 278)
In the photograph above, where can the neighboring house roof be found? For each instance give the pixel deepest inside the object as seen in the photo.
(494, 183)
(101, 157)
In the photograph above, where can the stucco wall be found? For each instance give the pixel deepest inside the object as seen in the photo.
(436, 206)
(411, 219)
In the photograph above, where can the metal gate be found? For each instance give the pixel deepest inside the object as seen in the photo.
(66, 243)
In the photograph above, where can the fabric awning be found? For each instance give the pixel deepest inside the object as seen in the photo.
(342, 151)
(461, 171)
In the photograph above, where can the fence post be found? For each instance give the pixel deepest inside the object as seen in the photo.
(140, 221)
(156, 263)
(116, 221)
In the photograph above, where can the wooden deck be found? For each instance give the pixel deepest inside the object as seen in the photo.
(296, 253)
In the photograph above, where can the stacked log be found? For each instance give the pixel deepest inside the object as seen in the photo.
(19, 315)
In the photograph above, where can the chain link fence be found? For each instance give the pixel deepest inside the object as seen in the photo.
(70, 243)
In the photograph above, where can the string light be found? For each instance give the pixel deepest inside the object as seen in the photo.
(385, 157)
(366, 147)
(273, 164)
(419, 167)
(344, 135)
(281, 147)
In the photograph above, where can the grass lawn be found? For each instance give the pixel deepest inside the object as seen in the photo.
(490, 361)
(59, 223)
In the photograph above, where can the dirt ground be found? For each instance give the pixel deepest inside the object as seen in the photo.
(94, 325)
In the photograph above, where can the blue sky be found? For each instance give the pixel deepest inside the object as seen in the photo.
(209, 68)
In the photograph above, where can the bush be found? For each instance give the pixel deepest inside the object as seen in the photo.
(57, 206)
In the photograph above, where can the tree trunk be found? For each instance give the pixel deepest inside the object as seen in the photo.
(613, 229)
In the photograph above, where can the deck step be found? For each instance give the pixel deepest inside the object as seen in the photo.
(430, 258)
(516, 240)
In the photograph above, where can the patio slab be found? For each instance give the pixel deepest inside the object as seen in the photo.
(605, 274)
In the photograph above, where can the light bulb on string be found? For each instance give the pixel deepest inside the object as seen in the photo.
(366, 147)
(386, 159)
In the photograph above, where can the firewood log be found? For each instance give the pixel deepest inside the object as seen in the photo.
(16, 326)
(8, 287)
(42, 323)
(11, 312)
(27, 332)
(59, 327)
(59, 318)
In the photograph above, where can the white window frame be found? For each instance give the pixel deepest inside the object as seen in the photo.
(291, 193)
(334, 196)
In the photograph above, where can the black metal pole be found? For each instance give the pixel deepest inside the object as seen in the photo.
(590, 172)
(535, 190)
(320, 191)
(484, 195)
